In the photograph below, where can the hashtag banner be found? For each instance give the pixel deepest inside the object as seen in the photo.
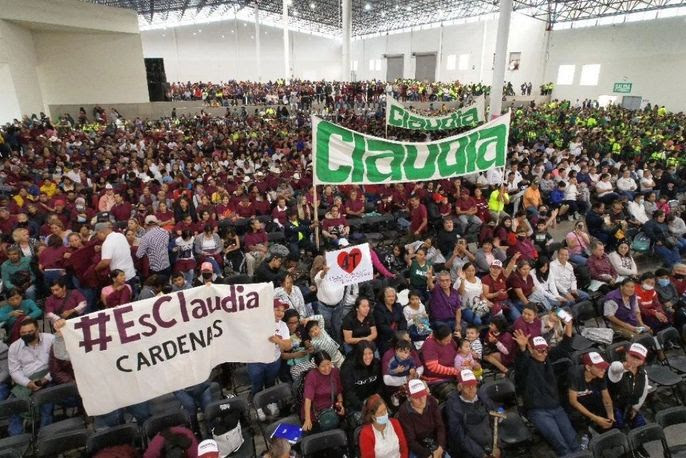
(139, 351)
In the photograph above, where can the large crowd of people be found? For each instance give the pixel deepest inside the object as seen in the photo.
(470, 282)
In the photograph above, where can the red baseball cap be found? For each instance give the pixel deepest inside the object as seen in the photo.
(539, 343)
(467, 378)
(639, 351)
(594, 359)
(208, 449)
(280, 303)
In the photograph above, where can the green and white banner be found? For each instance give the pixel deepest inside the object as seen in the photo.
(469, 116)
(343, 156)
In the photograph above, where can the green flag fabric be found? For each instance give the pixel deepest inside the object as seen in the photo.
(468, 116)
(343, 156)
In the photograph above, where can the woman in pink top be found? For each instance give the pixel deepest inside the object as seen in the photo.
(578, 242)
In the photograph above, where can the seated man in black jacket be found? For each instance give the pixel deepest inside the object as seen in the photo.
(297, 234)
(541, 397)
(469, 422)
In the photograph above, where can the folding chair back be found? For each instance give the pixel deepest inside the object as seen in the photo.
(327, 440)
(127, 434)
(55, 444)
(610, 445)
(157, 423)
(671, 416)
(648, 433)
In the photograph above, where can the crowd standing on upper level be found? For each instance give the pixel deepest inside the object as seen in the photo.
(100, 211)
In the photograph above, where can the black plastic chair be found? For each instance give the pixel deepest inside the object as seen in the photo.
(157, 423)
(57, 395)
(10, 407)
(53, 445)
(617, 350)
(281, 395)
(669, 340)
(659, 374)
(117, 435)
(671, 417)
(214, 410)
(513, 430)
(610, 444)
(318, 442)
(580, 454)
(164, 404)
(648, 433)
(11, 453)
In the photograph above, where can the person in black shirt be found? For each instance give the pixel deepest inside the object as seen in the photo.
(270, 270)
(541, 397)
(588, 393)
(389, 318)
(447, 238)
(359, 324)
(361, 377)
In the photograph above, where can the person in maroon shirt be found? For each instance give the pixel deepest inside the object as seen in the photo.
(466, 210)
(121, 210)
(245, 208)
(524, 246)
(528, 323)
(334, 226)
(521, 284)
(186, 224)
(354, 206)
(419, 218)
(64, 303)
(256, 245)
(7, 221)
(261, 205)
(496, 289)
(62, 213)
(81, 214)
(279, 212)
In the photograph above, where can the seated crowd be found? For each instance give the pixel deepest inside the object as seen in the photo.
(469, 281)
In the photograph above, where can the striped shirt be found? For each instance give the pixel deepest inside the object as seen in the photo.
(155, 244)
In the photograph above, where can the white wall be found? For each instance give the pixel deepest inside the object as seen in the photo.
(649, 54)
(222, 51)
(21, 90)
(477, 39)
(90, 67)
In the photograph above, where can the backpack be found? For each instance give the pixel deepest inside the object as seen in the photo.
(227, 431)
(641, 243)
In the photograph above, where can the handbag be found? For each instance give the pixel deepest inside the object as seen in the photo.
(328, 418)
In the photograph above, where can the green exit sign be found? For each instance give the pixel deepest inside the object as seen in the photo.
(624, 88)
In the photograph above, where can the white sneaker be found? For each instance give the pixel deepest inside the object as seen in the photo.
(273, 409)
(261, 416)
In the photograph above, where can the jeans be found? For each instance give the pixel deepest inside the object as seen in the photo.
(470, 317)
(333, 319)
(556, 429)
(669, 256)
(16, 422)
(467, 220)
(578, 259)
(621, 422)
(88, 293)
(263, 375)
(140, 412)
(193, 397)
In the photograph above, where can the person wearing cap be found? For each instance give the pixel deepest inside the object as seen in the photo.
(588, 393)
(536, 378)
(422, 422)
(620, 308)
(107, 200)
(263, 375)
(208, 449)
(628, 385)
(469, 422)
(155, 245)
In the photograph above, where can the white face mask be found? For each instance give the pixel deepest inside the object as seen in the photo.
(647, 287)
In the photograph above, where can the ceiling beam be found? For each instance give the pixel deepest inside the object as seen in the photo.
(183, 8)
(152, 9)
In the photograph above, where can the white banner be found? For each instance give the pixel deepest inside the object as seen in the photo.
(397, 115)
(343, 156)
(350, 265)
(142, 350)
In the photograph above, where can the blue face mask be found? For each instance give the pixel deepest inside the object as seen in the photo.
(663, 281)
(382, 420)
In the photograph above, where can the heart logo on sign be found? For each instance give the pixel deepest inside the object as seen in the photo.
(350, 260)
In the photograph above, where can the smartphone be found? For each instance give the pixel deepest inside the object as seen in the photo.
(564, 315)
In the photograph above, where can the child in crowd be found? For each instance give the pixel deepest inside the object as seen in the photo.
(472, 336)
(402, 364)
(417, 318)
(322, 341)
(465, 359)
(185, 259)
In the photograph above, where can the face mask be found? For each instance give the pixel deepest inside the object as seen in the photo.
(382, 420)
(663, 281)
(647, 287)
(521, 237)
(207, 275)
(28, 338)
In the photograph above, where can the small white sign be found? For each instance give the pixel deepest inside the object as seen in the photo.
(350, 265)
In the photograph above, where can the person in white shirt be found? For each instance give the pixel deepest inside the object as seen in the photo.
(561, 278)
(647, 182)
(330, 296)
(115, 252)
(627, 185)
(623, 263)
(27, 360)
(637, 210)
